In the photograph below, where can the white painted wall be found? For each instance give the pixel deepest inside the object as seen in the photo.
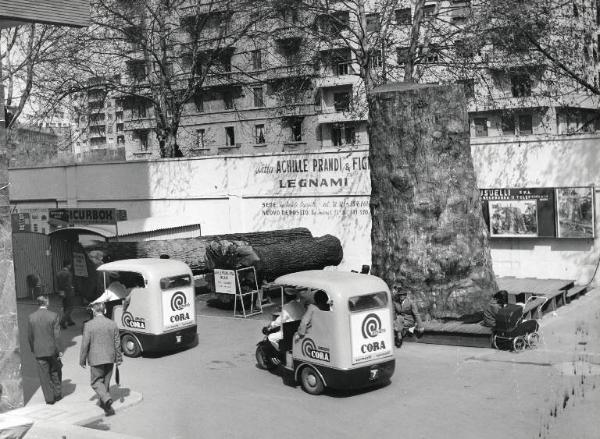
(226, 193)
(248, 193)
(541, 162)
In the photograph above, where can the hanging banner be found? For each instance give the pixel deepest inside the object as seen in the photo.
(79, 266)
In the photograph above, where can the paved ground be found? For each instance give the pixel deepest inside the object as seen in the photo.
(214, 390)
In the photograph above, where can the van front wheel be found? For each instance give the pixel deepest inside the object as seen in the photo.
(130, 346)
(311, 381)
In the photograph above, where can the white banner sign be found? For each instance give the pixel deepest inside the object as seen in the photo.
(306, 174)
(371, 333)
(79, 267)
(224, 281)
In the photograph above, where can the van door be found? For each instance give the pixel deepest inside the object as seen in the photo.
(371, 329)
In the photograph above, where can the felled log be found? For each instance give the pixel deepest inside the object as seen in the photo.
(193, 250)
(302, 254)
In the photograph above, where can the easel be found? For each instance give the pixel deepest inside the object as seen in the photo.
(255, 295)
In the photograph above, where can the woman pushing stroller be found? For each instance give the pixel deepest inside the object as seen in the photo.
(508, 323)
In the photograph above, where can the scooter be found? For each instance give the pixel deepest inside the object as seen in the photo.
(267, 355)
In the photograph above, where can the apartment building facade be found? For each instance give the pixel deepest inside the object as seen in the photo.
(295, 82)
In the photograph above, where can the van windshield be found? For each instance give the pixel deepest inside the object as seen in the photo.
(368, 301)
(175, 281)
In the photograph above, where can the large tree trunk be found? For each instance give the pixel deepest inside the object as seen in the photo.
(193, 250)
(428, 232)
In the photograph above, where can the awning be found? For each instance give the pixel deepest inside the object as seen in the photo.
(134, 226)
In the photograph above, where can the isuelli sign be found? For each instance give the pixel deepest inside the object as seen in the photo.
(84, 216)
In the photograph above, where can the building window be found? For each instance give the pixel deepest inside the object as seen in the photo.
(520, 85)
(138, 109)
(259, 100)
(508, 124)
(256, 60)
(143, 137)
(199, 102)
(200, 139)
(341, 101)
(469, 87)
(228, 100)
(525, 124)
(343, 134)
(229, 136)
(375, 59)
(403, 16)
(373, 22)
(402, 54)
(296, 127)
(428, 11)
(120, 140)
(432, 55)
(259, 134)
(137, 70)
(481, 126)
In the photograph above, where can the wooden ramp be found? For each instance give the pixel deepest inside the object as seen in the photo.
(539, 296)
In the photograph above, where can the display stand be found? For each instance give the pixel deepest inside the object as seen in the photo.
(247, 286)
(240, 283)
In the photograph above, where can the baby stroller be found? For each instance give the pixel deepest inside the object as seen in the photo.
(512, 331)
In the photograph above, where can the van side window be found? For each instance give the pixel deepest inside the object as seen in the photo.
(132, 279)
(321, 300)
(368, 301)
(182, 280)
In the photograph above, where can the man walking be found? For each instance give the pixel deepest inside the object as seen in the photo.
(101, 348)
(43, 333)
(64, 282)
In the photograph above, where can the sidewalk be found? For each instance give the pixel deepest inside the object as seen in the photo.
(79, 406)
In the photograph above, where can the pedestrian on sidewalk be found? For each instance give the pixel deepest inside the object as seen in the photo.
(64, 282)
(101, 348)
(43, 334)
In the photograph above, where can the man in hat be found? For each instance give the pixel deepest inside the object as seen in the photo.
(101, 349)
(43, 333)
(64, 283)
(407, 315)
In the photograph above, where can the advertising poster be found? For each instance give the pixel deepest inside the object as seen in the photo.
(513, 218)
(371, 333)
(178, 308)
(79, 266)
(519, 213)
(575, 212)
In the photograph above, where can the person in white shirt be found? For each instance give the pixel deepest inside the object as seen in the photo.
(115, 294)
(290, 311)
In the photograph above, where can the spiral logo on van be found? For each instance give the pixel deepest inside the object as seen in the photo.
(310, 350)
(371, 326)
(308, 346)
(127, 318)
(178, 301)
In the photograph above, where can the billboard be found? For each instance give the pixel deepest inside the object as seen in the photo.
(58, 12)
(566, 212)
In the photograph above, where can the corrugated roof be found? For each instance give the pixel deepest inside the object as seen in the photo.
(136, 226)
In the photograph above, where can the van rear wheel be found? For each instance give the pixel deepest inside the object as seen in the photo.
(130, 346)
(311, 381)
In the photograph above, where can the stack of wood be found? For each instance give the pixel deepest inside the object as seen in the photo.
(272, 253)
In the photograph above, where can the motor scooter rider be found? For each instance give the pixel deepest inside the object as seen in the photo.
(290, 311)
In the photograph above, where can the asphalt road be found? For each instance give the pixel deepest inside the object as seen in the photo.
(215, 390)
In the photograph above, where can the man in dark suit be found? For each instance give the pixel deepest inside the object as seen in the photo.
(43, 334)
(101, 348)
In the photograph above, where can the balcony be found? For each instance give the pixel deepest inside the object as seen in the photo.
(291, 71)
(327, 115)
(288, 34)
